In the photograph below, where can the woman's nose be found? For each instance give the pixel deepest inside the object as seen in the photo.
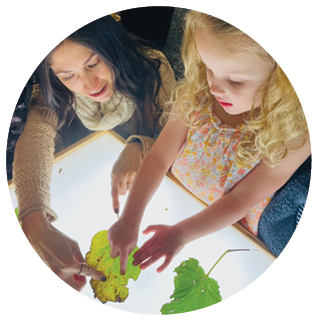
(90, 83)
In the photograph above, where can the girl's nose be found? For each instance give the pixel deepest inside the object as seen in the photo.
(216, 88)
(90, 83)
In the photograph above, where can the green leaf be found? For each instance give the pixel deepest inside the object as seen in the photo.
(17, 213)
(114, 289)
(194, 289)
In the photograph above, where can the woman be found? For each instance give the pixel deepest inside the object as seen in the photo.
(109, 81)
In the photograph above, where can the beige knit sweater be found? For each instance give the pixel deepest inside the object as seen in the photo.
(34, 152)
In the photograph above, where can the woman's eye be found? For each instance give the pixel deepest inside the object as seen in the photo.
(94, 64)
(69, 77)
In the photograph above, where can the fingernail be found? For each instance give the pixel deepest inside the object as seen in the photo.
(116, 210)
(103, 279)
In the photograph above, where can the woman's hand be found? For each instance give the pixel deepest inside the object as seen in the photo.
(122, 238)
(167, 241)
(124, 171)
(60, 253)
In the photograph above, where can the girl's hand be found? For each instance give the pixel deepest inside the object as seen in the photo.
(60, 253)
(167, 241)
(124, 171)
(122, 238)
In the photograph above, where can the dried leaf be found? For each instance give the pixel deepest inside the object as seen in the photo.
(193, 289)
(114, 289)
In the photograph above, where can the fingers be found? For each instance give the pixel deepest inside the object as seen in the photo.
(120, 186)
(147, 248)
(141, 252)
(83, 269)
(115, 196)
(123, 263)
(151, 229)
(130, 180)
(144, 252)
(114, 253)
(123, 258)
(153, 259)
(161, 244)
(166, 262)
(86, 270)
(77, 254)
(153, 256)
(97, 275)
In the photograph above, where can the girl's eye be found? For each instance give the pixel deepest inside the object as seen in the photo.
(235, 83)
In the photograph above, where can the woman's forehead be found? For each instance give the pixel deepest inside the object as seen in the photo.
(68, 55)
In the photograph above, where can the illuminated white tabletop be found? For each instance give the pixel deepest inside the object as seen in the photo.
(80, 195)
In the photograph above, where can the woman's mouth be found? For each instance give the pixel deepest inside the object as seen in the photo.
(99, 93)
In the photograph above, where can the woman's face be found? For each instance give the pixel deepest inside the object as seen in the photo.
(82, 71)
(233, 79)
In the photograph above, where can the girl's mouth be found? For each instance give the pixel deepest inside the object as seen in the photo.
(225, 105)
(100, 93)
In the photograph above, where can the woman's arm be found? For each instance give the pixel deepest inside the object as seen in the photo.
(137, 147)
(123, 234)
(252, 189)
(32, 170)
(33, 159)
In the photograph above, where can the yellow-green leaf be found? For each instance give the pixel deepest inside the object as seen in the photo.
(16, 210)
(114, 289)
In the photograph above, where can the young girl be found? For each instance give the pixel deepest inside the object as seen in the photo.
(237, 133)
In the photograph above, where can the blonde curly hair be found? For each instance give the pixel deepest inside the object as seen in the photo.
(276, 127)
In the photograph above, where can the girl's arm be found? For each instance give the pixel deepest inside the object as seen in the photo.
(261, 182)
(252, 189)
(123, 234)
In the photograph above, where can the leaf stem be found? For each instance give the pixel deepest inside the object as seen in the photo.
(228, 251)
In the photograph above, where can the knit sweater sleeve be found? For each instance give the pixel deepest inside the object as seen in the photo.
(146, 143)
(160, 114)
(33, 159)
(168, 82)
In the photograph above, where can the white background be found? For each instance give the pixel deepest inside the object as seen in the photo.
(286, 29)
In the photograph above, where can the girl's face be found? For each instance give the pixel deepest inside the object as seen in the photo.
(233, 78)
(82, 71)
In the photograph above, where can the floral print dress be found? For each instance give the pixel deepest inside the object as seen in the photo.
(206, 166)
